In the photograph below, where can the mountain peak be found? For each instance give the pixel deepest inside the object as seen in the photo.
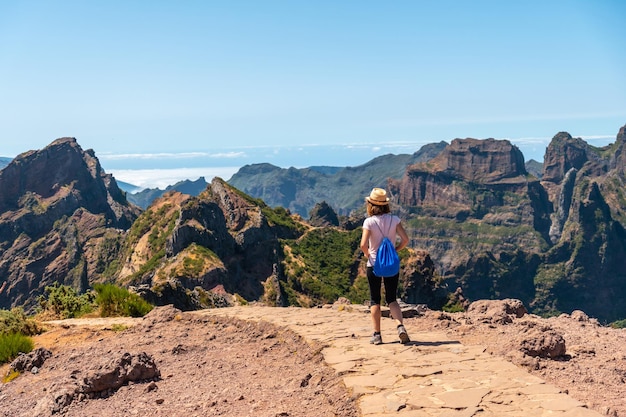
(478, 160)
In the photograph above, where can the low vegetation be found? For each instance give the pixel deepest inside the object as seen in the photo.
(319, 265)
(117, 301)
(15, 321)
(63, 302)
(108, 300)
(12, 344)
(15, 332)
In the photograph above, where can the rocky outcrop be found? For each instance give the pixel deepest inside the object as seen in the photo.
(541, 341)
(468, 179)
(62, 220)
(563, 154)
(497, 311)
(467, 197)
(486, 161)
(30, 362)
(419, 281)
(201, 222)
(185, 247)
(323, 215)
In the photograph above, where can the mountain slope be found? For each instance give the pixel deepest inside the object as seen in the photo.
(299, 190)
(62, 220)
(495, 231)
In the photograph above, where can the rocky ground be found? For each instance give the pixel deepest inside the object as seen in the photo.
(592, 367)
(221, 366)
(192, 367)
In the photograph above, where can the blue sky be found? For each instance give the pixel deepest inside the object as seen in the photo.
(197, 84)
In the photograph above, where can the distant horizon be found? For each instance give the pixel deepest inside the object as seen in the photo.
(160, 170)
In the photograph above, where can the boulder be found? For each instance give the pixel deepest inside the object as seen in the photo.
(542, 342)
(497, 311)
(26, 362)
(129, 367)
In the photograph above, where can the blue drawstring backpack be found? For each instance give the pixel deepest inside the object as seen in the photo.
(387, 260)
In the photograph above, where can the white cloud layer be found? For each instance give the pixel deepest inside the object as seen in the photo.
(161, 178)
(170, 155)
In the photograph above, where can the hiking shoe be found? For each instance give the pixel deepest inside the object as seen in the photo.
(403, 335)
(376, 339)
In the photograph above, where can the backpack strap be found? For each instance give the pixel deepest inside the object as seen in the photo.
(381, 230)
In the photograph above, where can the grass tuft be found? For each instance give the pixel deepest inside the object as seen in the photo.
(12, 344)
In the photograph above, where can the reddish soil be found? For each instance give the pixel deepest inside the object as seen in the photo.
(221, 366)
(208, 367)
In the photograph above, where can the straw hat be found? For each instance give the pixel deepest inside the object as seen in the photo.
(378, 197)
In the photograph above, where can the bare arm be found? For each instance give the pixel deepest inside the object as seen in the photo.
(365, 245)
(404, 238)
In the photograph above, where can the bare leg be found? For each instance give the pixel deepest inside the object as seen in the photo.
(375, 310)
(396, 312)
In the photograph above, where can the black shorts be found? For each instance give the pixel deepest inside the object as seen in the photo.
(391, 287)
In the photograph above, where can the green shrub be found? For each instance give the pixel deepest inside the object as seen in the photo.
(15, 321)
(360, 290)
(116, 301)
(321, 263)
(619, 324)
(64, 302)
(119, 327)
(12, 344)
(453, 307)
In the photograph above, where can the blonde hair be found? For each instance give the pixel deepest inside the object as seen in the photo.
(375, 209)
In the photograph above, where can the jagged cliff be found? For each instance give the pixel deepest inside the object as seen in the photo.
(65, 221)
(475, 197)
(557, 243)
(584, 267)
(220, 240)
(62, 218)
(477, 220)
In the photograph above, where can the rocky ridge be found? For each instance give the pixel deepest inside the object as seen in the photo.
(492, 229)
(477, 219)
(60, 213)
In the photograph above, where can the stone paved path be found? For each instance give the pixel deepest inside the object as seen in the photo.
(432, 376)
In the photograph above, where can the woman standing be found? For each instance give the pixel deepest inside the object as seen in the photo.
(381, 223)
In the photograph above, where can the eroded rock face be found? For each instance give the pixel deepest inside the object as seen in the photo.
(563, 154)
(59, 210)
(483, 161)
(490, 166)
